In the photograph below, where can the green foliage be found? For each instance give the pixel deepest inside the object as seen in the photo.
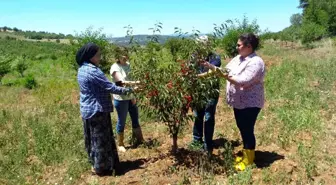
(41, 56)
(19, 65)
(333, 41)
(269, 35)
(311, 32)
(4, 66)
(176, 46)
(155, 30)
(291, 33)
(10, 38)
(30, 82)
(30, 50)
(230, 42)
(231, 32)
(38, 35)
(169, 99)
(321, 13)
(53, 57)
(244, 177)
(296, 19)
(44, 130)
(308, 160)
(179, 47)
(317, 21)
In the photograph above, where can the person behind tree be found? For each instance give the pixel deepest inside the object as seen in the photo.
(204, 123)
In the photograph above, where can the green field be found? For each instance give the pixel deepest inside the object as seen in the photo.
(41, 135)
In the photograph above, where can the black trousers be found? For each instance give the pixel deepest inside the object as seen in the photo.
(245, 119)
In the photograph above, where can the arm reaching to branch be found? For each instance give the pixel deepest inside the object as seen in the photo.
(213, 70)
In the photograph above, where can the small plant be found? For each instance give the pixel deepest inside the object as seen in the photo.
(53, 57)
(30, 82)
(10, 38)
(308, 160)
(227, 155)
(41, 56)
(4, 66)
(20, 65)
(244, 177)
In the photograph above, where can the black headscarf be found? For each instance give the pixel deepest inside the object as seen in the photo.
(86, 52)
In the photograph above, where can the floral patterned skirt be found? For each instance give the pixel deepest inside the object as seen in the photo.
(99, 142)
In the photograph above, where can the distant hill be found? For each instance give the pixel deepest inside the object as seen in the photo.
(42, 35)
(141, 39)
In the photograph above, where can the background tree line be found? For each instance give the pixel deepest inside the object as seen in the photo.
(37, 35)
(317, 20)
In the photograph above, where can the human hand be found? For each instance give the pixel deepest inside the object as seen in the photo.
(133, 101)
(137, 89)
(223, 72)
(120, 84)
(208, 65)
(131, 83)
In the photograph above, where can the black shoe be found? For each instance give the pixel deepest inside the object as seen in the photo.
(101, 174)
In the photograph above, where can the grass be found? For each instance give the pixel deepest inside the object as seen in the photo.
(41, 137)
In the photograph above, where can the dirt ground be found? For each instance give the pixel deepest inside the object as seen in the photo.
(154, 164)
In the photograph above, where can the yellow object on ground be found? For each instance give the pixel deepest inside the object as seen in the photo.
(248, 158)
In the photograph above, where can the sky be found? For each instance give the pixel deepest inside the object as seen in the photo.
(74, 16)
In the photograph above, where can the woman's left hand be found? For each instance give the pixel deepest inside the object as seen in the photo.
(133, 101)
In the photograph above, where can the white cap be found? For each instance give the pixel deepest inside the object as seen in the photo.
(202, 39)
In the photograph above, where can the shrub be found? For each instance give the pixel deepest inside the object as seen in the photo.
(291, 33)
(311, 32)
(4, 66)
(232, 30)
(10, 38)
(41, 56)
(53, 57)
(30, 82)
(20, 65)
(269, 35)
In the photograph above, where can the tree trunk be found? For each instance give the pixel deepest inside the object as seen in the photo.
(174, 146)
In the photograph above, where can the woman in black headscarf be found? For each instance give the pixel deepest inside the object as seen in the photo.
(95, 108)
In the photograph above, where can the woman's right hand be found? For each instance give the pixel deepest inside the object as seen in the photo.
(208, 65)
(137, 89)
